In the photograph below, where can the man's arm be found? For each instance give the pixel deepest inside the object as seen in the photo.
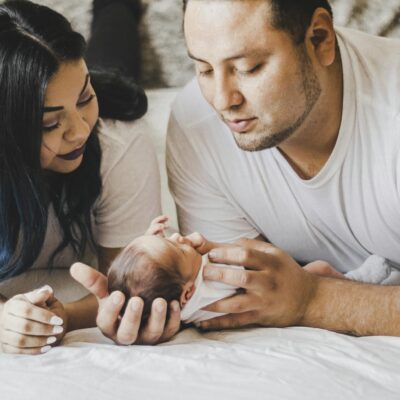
(279, 293)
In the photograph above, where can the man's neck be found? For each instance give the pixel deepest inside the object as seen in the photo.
(308, 150)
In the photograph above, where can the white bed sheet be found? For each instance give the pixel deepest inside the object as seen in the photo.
(260, 363)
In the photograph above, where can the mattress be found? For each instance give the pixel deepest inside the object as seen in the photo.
(258, 363)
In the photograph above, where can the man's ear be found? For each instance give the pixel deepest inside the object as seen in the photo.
(187, 292)
(321, 38)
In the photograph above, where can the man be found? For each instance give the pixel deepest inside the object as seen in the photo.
(291, 133)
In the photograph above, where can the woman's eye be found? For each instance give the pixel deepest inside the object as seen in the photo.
(49, 128)
(86, 100)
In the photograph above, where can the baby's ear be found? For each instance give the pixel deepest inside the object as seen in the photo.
(187, 292)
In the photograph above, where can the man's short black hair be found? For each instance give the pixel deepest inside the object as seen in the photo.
(292, 16)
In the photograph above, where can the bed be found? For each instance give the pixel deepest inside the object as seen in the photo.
(257, 363)
(260, 363)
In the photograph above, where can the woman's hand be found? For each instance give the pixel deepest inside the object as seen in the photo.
(30, 323)
(125, 330)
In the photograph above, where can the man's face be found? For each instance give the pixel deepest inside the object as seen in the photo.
(262, 85)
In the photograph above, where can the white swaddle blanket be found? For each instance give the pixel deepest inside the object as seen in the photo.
(206, 292)
(376, 270)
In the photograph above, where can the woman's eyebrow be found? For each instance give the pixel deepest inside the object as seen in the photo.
(58, 108)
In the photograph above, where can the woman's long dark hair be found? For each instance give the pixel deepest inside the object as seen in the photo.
(34, 42)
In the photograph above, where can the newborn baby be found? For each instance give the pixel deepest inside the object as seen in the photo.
(153, 266)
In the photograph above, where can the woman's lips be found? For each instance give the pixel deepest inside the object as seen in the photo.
(240, 125)
(73, 155)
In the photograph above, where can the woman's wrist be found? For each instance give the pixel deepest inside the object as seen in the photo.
(81, 314)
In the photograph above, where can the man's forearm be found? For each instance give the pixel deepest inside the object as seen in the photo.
(355, 308)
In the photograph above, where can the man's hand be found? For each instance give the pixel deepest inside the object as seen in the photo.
(125, 330)
(275, 292)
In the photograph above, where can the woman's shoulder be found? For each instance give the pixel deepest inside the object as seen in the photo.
(123, 141)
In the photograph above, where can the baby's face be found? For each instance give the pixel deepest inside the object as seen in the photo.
(176, 248)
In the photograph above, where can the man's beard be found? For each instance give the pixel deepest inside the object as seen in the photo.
(261, 140)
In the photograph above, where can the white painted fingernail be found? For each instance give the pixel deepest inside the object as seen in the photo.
(45, 288)
(51, 339)
(58, 329)
(56, 321)
(116, 299)
(45, 349)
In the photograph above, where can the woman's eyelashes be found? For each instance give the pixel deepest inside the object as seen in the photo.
(81, 103)
(49, 128)
(86, 100)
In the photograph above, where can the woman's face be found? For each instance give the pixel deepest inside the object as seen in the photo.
(70, 114)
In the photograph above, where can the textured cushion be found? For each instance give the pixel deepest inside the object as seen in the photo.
(165, 62)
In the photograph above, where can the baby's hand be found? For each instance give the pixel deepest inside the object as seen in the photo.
(323, 268)
(158, 226)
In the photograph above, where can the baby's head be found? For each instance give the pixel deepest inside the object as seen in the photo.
(151, 267)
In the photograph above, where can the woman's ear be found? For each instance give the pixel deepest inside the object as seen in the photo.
(321, 37)
(187, 292)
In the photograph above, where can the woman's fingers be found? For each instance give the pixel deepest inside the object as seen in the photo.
(30, 328)
(128, 329)
(154, 329)
(92, 280)
(174, 322)
(24, 341)
(7, 348)
(19, 307)
(108, 313)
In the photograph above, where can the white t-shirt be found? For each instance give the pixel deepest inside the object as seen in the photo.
(129, 200)
(206, 292)
(349, 211)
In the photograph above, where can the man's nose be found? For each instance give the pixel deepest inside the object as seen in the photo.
(226, 94)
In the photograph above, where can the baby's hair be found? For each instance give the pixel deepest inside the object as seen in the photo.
(136, 273)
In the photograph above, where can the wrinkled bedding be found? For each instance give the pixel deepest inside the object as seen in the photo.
(259, 363)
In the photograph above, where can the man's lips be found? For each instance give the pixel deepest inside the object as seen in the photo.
(73, 155)
(240, 125)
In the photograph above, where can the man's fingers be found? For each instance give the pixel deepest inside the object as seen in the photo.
(243, 256)
(235, 277)
(154, 329)
(130, 323)
(236, 304)
(92, 280)
(107, 315)
(255, 244)
(229, 321)
(173, 323)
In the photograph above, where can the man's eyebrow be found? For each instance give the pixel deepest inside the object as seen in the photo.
(58, 108)
(231, 58)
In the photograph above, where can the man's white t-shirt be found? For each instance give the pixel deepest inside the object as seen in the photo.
(349, 211)
(129, 200)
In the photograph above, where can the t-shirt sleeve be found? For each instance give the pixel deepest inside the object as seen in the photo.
(130, 197)
(201, 204)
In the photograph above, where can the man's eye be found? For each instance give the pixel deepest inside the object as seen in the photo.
(205, 73)
(250, 71)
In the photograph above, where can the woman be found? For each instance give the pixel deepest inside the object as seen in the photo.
(69, 185)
